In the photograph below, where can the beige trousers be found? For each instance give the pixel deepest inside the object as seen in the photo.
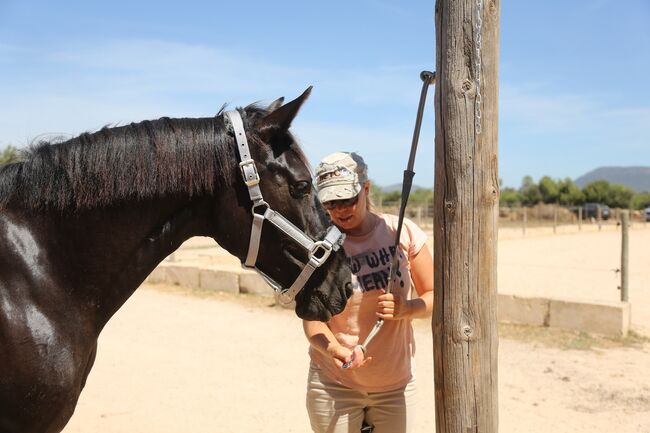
(334, 408)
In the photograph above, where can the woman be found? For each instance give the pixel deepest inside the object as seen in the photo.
(378, 387)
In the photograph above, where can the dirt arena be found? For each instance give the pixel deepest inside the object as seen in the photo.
(176, 361)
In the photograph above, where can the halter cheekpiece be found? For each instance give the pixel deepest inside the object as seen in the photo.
(318, 251)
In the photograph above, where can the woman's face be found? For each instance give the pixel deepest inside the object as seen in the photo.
(349, 214)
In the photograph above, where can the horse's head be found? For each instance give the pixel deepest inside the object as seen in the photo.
(286, 194)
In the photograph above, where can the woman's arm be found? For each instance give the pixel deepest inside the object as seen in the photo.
(422, 273)
(322, 339)
(320, 336)
(394, 307)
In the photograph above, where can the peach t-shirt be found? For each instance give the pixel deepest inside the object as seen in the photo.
(393, 347)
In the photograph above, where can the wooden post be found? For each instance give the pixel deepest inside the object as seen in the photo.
(580, 218)
(555, 218)
(525, 219)
(426, 210)
(625, 224)
(466, 196)
(599, 217)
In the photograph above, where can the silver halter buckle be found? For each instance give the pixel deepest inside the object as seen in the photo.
(251, 177)
(319, 251)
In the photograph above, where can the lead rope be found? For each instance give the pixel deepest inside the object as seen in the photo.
(428, 78)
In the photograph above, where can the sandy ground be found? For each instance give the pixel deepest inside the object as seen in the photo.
(578, 265)
(174, 362)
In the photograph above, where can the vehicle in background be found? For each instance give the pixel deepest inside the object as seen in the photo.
(590, 210)
(647, 213)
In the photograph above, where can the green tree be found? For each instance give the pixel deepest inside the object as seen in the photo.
(529, 192)
(9, 154)
(619, 196)
(376, 193)
(393, 197)
(549, 190)
(569, 193)
(596, 192)
(641, 200)
(509, 198)
(421, 197)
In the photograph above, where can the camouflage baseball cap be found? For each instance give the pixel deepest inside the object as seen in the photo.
(340, 176)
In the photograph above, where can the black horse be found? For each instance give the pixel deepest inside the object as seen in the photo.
(83, 222)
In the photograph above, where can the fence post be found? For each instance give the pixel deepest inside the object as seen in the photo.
(625, 223)
(426, 209)
(599, 217)
(525, 219)
(555, 218)
(580, 218)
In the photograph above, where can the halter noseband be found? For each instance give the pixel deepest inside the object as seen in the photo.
(318, 251)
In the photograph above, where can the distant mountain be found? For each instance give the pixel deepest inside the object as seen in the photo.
(636, 178)
(398, 187)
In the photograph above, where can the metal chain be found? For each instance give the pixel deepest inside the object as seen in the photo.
(477, 65)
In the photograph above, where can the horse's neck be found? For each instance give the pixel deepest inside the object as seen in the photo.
(112, 250)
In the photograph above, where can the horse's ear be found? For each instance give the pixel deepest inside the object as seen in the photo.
(275, 104)
(280, 119)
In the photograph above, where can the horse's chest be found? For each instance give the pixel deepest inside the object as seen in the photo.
(38, 345)
(42, 370)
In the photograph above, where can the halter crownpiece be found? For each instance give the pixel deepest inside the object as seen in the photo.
(319, 251)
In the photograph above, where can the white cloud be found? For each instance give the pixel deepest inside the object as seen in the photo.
(83, 86)
(595, 118)
(545, 132)
(385, 149)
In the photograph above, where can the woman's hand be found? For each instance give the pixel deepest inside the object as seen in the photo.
(392, 306)
(321, 338)
(352, 358)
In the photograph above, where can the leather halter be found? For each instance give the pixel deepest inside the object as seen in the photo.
(318, 251)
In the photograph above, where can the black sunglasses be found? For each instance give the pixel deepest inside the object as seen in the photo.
(333, 204)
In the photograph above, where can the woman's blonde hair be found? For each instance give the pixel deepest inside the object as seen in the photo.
(369, 204)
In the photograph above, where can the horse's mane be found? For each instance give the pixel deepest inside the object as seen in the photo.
(136, 161)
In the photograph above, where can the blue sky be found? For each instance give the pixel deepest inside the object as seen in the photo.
(574, 86)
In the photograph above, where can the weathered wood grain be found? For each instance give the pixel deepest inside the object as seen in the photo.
(465, 226)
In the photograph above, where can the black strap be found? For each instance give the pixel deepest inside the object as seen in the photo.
(428, 78)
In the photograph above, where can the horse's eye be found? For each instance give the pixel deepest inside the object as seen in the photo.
(300, 189)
